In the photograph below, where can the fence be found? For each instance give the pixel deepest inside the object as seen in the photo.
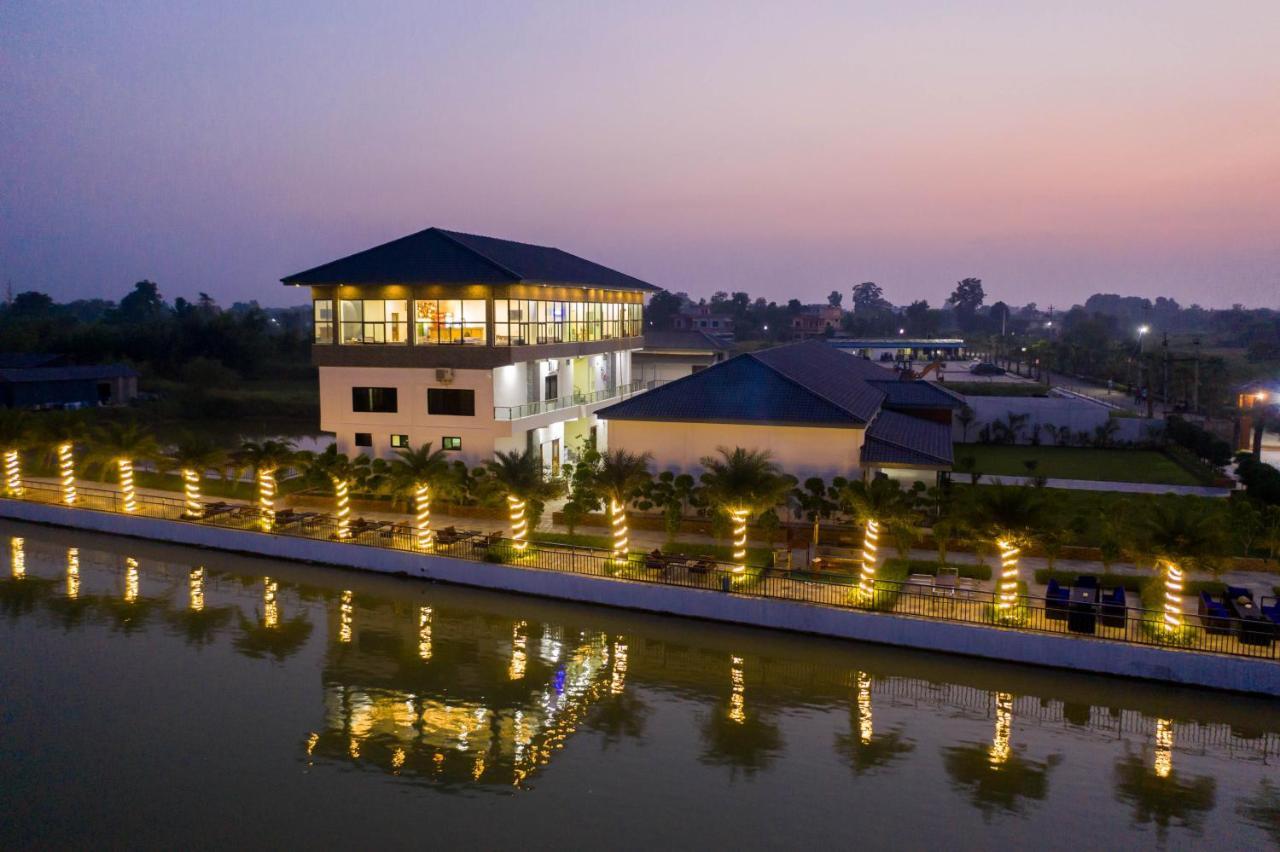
(1128, 625)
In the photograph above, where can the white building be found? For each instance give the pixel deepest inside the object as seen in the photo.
(471, 343)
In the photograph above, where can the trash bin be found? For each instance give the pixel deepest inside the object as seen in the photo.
(725, 582)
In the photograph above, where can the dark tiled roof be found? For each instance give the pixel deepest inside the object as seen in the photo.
(916, 394)
(439, 256)
(832, 375)
(22, 360)
(66, 374)
(683, 341)
(896, 438)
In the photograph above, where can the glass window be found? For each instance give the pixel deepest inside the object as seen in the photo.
(364, 439)
(323, 321)
(451, 443)
(460, 403)
(451, 321)
(380, 400)
(399, 442)
(373, 321)
(351, 321)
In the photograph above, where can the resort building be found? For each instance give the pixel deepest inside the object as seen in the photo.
(472, 343)
(818, 411)
(903, 348)
(671, 355)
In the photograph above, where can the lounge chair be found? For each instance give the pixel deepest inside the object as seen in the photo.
(1271, 610)
(1056, 601)
(1113, 610)
(1214, 615)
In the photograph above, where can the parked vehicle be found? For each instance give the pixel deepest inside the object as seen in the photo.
(986, 368)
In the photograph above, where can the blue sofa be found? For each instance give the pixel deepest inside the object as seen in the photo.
(1114, 609)
(1057, 600)
(1214, 615)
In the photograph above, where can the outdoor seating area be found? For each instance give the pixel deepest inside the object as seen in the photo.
(946, 583)
(656, 560)
(1085, 605)
(1236, 612)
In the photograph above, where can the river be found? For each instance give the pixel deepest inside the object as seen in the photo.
(158, 696)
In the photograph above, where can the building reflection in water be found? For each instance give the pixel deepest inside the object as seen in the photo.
(73, 572)
(17, 557)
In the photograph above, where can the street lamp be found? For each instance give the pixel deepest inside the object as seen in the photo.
(1143, 329)
(902, 331)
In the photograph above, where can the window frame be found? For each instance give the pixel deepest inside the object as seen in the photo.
(392, 393)
(446, 393)
(455, 447)
(367, 442)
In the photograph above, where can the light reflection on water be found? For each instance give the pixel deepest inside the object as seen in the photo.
(322, 686)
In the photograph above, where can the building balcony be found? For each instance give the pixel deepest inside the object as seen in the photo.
(587, 402)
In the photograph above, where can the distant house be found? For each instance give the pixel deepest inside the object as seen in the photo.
(47, 381)
(817, 321)
(671, 355)
(818, 411)
(704, 318)
(903, 348)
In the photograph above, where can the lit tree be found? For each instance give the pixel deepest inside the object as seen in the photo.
(519, 476)
(265, 459)
(418, 473)
(1181, 535)
(192, 457)
(336, 470)
(1010, 514)
(618, 478)
(743, 483)
(15, 438)
(876, 505)
(122, 444)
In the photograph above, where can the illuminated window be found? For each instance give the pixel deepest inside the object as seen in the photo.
(373, 321)
(450, 321)
(323, 317)
(451, 443)
(399, 442)
(526, 322)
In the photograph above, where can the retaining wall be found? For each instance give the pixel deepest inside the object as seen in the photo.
(1077, 414)
(1066, 652)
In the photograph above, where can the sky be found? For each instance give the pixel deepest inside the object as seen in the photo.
(785, 149)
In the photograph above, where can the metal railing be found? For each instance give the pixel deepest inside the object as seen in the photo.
(1127, 625)
(529, 409)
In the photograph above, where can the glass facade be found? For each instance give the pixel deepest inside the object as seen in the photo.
(450, 321)
(323, 321)
(373, 321)
(528, 322)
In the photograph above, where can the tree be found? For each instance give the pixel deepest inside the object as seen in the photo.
(672, 493)
(967, 297)
(122, 443)
(743, 483)
(419, 473)
(332, 468)
(519, 476)
(835, 298)
(662, 309)
(15, 438)
(144, 304)
(264, 459)
(1010, 514)
(192, 457)
(965, 417)
(867, 296)
(816, 501)
(876, 504)
(618, 479)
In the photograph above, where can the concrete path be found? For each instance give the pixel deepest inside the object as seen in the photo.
(1098, 485)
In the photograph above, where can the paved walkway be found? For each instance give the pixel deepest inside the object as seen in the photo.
(1099, 485)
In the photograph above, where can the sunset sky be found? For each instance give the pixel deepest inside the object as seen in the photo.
(786, 149)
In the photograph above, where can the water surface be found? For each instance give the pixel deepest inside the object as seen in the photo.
(165, 696)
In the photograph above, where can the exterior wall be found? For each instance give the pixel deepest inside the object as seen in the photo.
(801, 451)
(1075, 413)
(649, 367)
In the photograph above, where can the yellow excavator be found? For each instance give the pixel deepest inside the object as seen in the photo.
(909, 374)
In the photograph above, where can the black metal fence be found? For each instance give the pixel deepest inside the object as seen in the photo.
(1130, 625)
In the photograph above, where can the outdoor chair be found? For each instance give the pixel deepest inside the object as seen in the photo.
(1113, 610)
(945, 584)
(1214, 615)
(1271, 610)
(654, 561)
(1056, 601)
(1234, 592)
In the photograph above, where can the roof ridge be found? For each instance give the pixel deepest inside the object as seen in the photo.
(896, 443)
(450, 236)
(819, 394)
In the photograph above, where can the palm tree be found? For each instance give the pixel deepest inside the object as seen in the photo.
(519, 475)
(1010, 513)
(743, 483)
(418, 472)
(331, 467)
(15, 437)
(193, 456)
(56, 438)
(874, 504)
(264, 458)
(619, 476)
(122, 443)
(1180, 535)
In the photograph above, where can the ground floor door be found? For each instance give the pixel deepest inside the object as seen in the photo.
(555, 457)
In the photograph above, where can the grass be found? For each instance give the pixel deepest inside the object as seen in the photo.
(997, 388)
(1102, 465)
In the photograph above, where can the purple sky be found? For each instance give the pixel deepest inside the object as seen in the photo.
(787, 149)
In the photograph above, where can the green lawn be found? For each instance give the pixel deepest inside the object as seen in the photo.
(1076, 463)
(997, 388)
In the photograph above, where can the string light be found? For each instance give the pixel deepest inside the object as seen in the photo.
(1008, 574)
(17, 558)
(870, 553)
(126, 485)
(519, 523)
(865, 726)
(191, 491)
(424, 633)
(267, 499)
(195, 589)
(519, 656)
(130, 579)
(397, 760)
(618, 518)
(346, 612)
(73, 572)
(999, 752)
(619, 680)
(343, 495)
(738, 695)
(739, 518)
(67, 473)
(1172, 596)
(270, 609)
(422, 504)
(12, 473)
(1164, 748)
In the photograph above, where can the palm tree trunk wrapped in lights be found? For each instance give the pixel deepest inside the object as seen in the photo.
(17, 557)
(519, 523)
(1164, 748)
(270, 609)
(267, 499)
(1172, 596)
(999, 752)
(191, 493)
(621, 541)
(195, 589)
(866, 726)
(422, 507)
(73, 572)
(67, 473)
(127, 488)
(130, 580)
(870, 553)
(12, 473)
(342, 494)
(739, 518)
(1008, 574)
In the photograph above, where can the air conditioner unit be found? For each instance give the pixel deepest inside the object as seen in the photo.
(444, 375)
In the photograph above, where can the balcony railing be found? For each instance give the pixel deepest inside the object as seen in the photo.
(529, 409)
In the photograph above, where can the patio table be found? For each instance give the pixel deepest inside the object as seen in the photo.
(1082, 614)
(1254, 627)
